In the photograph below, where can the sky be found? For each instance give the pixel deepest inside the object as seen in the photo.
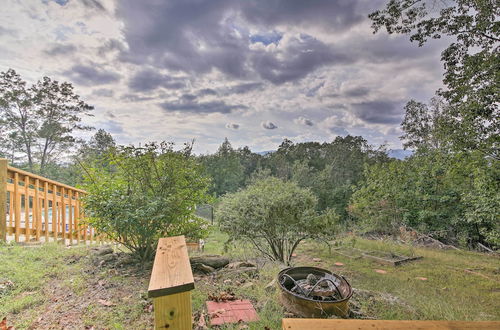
(253, 71)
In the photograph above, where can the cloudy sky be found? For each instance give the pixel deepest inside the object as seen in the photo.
(252, 71)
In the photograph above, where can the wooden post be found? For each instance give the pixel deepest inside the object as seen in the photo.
(27, 222)
(63, 215)
(171, 284)
(3, 200)
(54, 212)
(37, 222)
(70, 216)
(46, 209)
(17, 207)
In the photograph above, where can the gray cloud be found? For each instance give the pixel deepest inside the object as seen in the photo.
(304, 121)
(89, 75)
(206, 91)
(244, 88)
(201, 107)
(233, 126)
(268, 125)
(7, 31)
(301, 56)
(337, 130)
(379, 112)
(147, 80)
(60, 49)
(357, 91)
(104, 92)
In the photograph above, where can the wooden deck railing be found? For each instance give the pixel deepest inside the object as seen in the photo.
(36, 208)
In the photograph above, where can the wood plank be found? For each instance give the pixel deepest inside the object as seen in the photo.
(27, 222)
(54, 210)
(63, 214)
(46, 210)
(171, 269)
(70, 216)
(323, 324)
(37, 221)
(173, 312)
(3, 200)
(12, 169)
(17, 206)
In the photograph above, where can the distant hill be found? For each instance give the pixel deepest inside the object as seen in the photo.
(263, 153)
(399, 153)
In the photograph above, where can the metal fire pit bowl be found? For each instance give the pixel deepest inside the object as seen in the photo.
(309, 306)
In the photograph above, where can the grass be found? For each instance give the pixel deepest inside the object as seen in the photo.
(55, 286)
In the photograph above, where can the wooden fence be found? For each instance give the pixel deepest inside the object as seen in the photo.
(34, 208)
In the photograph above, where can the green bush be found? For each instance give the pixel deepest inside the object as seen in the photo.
(150, 192)
(275, 216)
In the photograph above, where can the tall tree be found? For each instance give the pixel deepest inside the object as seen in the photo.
(471, 61)
(40, 121)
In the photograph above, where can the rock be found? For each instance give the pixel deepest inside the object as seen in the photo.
(239, 264)
(316, 259)
(339, 264)
(380, 271)
(103, 250)
(270, 286)
(214, 261)
(202, 268)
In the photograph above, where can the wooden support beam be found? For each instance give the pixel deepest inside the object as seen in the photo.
(332, 324)
(171, 284)
(3, 200)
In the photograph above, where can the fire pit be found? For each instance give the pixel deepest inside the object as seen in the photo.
(314, 292)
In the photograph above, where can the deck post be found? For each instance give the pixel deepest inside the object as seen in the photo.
(171, 284)
(3, 199)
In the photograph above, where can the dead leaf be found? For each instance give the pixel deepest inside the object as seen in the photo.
(106, 303)
(4, 326)
(421, 278)
(380, 271)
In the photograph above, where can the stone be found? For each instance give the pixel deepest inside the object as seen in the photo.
(103, 250)
(339, 264)
(380, 271)
(316, 259)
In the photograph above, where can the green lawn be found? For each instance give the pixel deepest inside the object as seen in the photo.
(52, 285)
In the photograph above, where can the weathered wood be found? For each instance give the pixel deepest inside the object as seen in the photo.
(17, 206)
(41, 178)
(390, 262)
(173, 312)
(54, 210)
(323, 324)
(37, 222)
(27, 222)
(46, 210)
(171, 269)
(3, 200)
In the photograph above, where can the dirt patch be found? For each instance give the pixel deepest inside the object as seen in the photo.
(104, 286)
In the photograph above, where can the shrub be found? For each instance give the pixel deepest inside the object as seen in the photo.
(275, 216)
(150, 192)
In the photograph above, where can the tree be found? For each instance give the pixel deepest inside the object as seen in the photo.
(422, 124)
(225, 169)
(275, 216)
(471, 61)
(40, 121)
(152, 192)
